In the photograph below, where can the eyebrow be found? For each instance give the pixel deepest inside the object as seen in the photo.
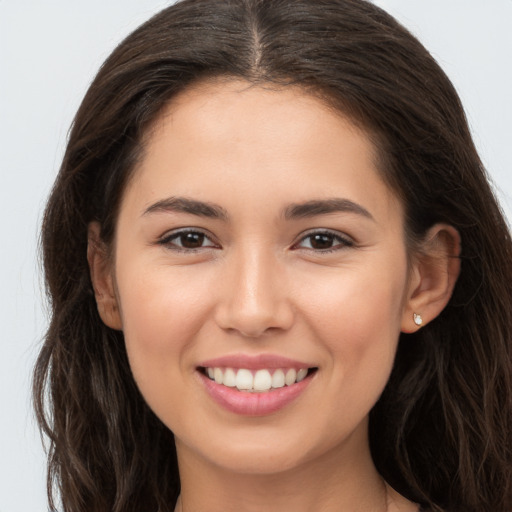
(323, 207)
(186, 205)
(292, 211)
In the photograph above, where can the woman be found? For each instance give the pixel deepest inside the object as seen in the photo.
(279, 277)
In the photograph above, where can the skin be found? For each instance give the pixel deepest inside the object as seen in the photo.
(257, 285)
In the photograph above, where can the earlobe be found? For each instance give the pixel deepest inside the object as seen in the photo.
(100, 269)
(435, 271)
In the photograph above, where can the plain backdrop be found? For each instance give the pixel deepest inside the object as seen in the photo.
(49, 53)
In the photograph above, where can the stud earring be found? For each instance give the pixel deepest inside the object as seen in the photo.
(417, 319)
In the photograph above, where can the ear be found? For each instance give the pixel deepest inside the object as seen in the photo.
(102, 279)
(434, 272)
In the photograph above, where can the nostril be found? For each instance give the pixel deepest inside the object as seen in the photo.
(254, 313)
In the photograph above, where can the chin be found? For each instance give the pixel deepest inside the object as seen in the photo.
(266, 451)
(258, 461)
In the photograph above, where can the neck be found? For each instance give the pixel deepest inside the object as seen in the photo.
(337, 481)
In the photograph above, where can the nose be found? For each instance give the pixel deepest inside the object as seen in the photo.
(253, 295)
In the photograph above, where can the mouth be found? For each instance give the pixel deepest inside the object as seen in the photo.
(255, 384)
(261, 380)
(257, 390)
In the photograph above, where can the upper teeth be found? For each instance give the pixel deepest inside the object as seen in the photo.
(261, 380)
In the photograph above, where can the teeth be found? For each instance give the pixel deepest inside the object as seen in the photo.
(229, 378)
(244, 380)
(260, 381)
(217, 375)
(290, 377)
(278, 379)
(301, 374)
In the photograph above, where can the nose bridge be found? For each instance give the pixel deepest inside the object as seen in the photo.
(254, 293)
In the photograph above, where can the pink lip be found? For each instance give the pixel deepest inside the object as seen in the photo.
(253, 404)
(254, 362)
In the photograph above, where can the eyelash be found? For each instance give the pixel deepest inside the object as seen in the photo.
(343, 242)
(168, 240)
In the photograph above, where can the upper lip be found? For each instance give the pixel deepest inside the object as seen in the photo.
(254, 362)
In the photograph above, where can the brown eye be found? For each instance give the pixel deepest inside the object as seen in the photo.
(324, 241)
(187, 241)
(321, 241)
(191, 240)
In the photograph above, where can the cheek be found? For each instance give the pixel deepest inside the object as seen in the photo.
(161, 309)
(356, 316)
(362, 314)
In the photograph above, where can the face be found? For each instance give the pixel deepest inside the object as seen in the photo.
(257, 247)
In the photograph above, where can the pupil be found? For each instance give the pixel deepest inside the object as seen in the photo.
(192, 240)
(321, 241)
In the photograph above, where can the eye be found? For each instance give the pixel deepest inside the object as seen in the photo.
(323, 241)
(187, 240)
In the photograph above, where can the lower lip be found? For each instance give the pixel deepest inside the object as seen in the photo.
(254, 404)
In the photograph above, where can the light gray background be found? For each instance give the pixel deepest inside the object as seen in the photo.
(49, 53)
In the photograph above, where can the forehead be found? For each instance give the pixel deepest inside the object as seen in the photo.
(230, 138)
(213, 108)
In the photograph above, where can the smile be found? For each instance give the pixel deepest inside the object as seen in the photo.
(256, 381)
(255, 385)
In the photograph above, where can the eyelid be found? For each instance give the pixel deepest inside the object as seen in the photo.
(346, 240)
(169, 236)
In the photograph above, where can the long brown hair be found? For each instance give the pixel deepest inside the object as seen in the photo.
(441, 432)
